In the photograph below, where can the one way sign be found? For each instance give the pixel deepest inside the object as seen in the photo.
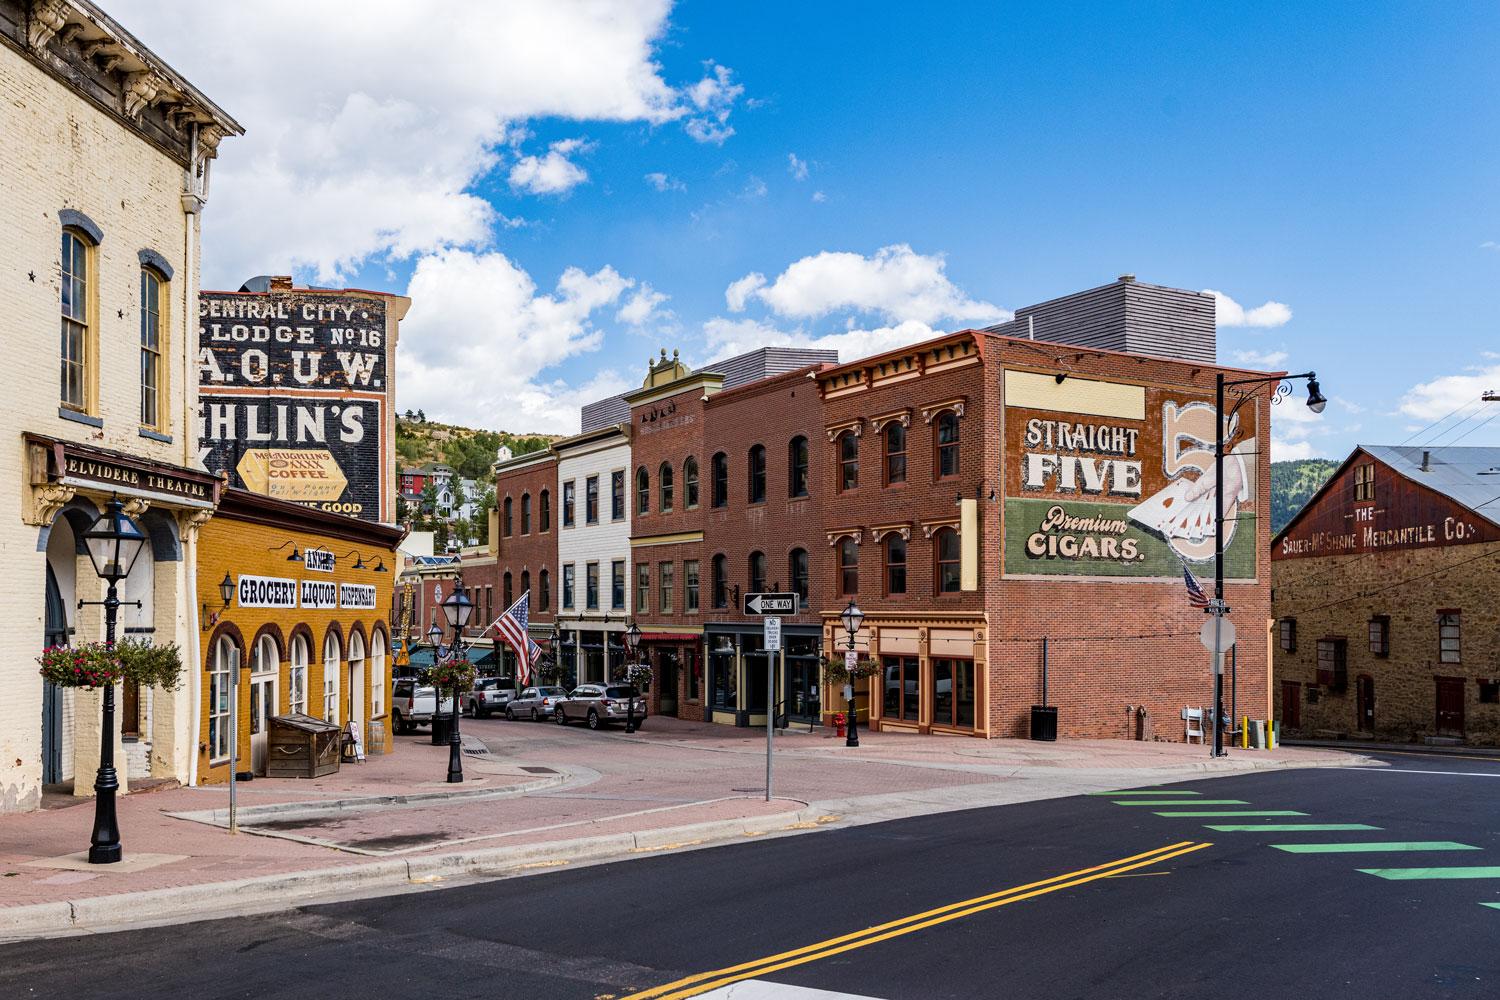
(771, 604)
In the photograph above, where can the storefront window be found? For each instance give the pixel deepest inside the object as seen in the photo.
(695, 674)
(723, 682)
(953, 693)
(799, 694)
(756, 672)
(902, 695)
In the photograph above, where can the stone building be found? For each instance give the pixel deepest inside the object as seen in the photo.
(1382, 601)
(105, 164)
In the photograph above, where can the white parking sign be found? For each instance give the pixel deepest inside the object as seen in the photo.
(773, 634)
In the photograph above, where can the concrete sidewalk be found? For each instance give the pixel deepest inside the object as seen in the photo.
(535, 796)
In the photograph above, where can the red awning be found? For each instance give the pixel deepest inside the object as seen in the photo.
(670, 637)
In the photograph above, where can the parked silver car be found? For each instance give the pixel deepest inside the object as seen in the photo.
(534, 703)
(490, 694)
(598, 704)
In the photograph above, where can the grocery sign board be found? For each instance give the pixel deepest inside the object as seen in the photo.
(1107, 479)
(295, 395)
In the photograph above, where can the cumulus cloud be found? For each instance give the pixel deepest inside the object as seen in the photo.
(819, 197)
(642, 306)
(1489, 245)
(895, 283)
(796, 166)
(552, 173)
(1231, 313)
(369, 123)
(724, 338)
(481, 337)
(663, 182)
(1261, 359)
(1439, 397)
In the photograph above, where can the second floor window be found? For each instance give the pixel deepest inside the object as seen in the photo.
(848, 566)
(1364, 482)
(757, 483)
(591, 500)
(690, 585)
(642, 588)
(895, 453)
(525, 513)
(719, 472)
(946, 441)
(617, 584)
(1448, 637)
(570, 497)
(545, 511)
(796, 461)
(505, 591)
(1380, 635)
(664, 585)
(642, 490)
(617, 495)
(796, 571)
(505, 518)
(690, 483)
(151, 348)
(591, 586)
(75, 321)
(848, 461)
(664, 487)
(567, 586)
(757, 572)
(895, 564)
(544, 591)
(719, 583)
(948, 561)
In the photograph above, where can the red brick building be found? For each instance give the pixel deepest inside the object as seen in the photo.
(523, 548)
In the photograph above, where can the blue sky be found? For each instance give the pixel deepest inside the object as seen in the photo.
(888, 170)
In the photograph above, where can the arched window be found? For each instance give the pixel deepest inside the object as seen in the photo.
(757, 482)
(757, 572)
(525, 513)
(848, 566)
(153, 344)
(642, 490)
(895, 453)
(219, 689)
(544, 591)
(505, 521)
(720, 584)
(796, 572)
(719, 470)
(545, 513)
(690, 483)
(331, 658)
(945, 545)
(297, 696)
(895, 564)
(506, 590)
(77, 313)
(377, 675)
(664, 487)
(848, 461)
(796, 471)
(946, 444)
(266, 657)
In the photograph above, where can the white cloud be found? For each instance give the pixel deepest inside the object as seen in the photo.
(1441, 396)
(642, 306)
(896, 283)
(796, 167)
(663, 182)
(713, 98)
(819, 197)
(1489, 245)
(754, 188)
(723, 338)
(1231, 313)
(552, 173)
(369, 123)
(480, 336)
(1291, 451)
(1261, 359)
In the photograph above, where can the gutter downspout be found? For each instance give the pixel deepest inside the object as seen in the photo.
(192, 205)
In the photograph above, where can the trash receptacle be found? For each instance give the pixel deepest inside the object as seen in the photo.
(442, 725)
(1044, 722)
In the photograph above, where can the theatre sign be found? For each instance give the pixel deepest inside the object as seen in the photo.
(296, 395)
(1107, 479)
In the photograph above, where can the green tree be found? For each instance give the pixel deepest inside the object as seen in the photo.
(440, 537)
(482, 520)
(401, 512)
(459, 496)
(1293, 484)
(429, 501)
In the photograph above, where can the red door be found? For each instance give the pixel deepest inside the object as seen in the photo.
(1291, 704)
(1450, 706)
(1365, 702)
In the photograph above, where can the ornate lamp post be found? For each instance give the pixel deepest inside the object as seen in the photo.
(114, 541)
(852, 618)
(457, 609)
(1315, 402)
(632, 644)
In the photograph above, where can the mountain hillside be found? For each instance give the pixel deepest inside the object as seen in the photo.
(1293, 484)
(468, 450)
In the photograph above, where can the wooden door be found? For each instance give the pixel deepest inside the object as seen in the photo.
(1450, 706)
(1291, 704)
(1365, 702)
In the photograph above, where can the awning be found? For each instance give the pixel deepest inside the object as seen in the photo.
(692, 639)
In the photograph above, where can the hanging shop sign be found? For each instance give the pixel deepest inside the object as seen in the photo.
(1114, 480)
(267, 592)
(294, 396)
(319, 560)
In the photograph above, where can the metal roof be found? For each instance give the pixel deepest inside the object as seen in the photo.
(1468, 476)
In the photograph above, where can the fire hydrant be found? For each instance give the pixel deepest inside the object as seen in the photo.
(838, 723)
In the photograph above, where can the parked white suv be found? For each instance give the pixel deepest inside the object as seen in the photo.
(412, 705)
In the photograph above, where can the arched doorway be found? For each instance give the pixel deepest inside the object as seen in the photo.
(357, 687)
(55, 634)
(61, 602)
(265, 672)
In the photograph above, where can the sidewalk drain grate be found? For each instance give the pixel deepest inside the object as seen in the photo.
(538, 770)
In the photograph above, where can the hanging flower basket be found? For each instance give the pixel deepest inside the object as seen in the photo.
(839, 673)
(455, 673)
(149, 665)
(88, 665)
(638, 674)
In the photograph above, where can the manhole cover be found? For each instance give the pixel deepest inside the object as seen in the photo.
(538, 770)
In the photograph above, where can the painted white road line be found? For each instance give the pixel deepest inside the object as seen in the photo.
(1412, 770)
(761, 989)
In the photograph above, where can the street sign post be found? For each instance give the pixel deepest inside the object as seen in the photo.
(773, 634)
(1217, 635)
(771, 604)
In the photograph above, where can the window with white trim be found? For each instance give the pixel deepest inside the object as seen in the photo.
(331, 678)
(297, 696)
(377, 675)
(219, 688)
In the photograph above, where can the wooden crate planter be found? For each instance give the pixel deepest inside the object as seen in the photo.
(301, 746)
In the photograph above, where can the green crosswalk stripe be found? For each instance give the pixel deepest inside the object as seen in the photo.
(1236, 812)
(1413, 874)
(1493, 906)
(1357, 847)
(1154, 791)
(1287, 827)
(1176, 802)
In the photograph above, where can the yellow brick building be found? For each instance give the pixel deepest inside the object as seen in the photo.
(307, 626)
(104, 167)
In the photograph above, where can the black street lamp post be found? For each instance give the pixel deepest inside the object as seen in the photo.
(852, 617)
(457, 609)
(632, 645)
(1315, 402)
(114, 541)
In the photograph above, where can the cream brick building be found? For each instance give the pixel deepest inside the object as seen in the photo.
(593, 550)
(104, 169)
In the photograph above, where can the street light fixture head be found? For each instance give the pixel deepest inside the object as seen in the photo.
(296, 555)
(634, 634)
(114, 541)
(1315, 398)
(458, 609)
(852, 618)
(226, 589)
(434, 634)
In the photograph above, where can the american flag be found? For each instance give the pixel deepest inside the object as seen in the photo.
(1196, 597)
(512, 628)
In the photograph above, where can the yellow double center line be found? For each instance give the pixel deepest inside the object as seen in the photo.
(704, 981)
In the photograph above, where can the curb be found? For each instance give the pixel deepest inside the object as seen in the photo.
(102, 913)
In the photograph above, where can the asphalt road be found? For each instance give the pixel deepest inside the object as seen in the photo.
(1079, 897)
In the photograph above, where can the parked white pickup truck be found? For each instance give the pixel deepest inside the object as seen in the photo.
(412, 705)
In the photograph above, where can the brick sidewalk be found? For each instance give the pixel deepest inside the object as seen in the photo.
(540, 783)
